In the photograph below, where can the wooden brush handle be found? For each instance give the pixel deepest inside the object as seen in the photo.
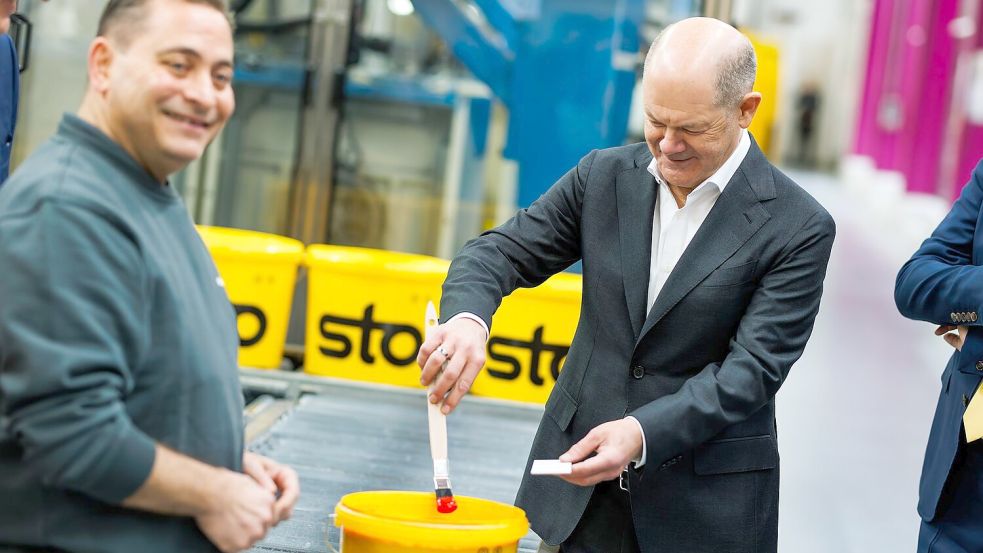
(438, 431)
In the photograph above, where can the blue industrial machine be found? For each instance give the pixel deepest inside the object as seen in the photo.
(564, 68)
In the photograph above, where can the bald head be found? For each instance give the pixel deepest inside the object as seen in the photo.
(706, 51)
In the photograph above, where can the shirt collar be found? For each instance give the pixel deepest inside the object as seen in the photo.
(726, 171)
(78, 131)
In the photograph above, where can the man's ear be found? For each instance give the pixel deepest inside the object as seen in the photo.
(101, 56)
(749, 106)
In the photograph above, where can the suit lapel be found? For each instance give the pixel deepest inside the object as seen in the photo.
(636, 192)
(735, 217)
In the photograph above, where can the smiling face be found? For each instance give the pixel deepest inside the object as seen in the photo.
(167, 86)
(689, 135)
(697, 96)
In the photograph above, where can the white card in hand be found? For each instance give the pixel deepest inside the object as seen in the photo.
(550, 466)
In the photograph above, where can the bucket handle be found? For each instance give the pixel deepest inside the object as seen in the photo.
(327, 534)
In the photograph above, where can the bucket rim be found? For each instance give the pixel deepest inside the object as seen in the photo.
(414, 533)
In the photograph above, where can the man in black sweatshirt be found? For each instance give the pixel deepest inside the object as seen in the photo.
(120, 408)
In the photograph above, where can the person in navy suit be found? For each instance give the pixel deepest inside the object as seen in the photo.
(9, 87)
(943, 284)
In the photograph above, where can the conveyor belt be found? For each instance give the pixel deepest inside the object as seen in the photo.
(351, 437)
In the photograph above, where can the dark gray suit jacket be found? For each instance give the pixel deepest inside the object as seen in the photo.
(699, 371)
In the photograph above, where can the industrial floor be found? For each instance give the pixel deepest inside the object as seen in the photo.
(349, 438)
(853, 416)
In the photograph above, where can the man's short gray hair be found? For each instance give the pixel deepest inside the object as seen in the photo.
(735, 75)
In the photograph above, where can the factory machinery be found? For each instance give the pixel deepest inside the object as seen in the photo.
(412, 125)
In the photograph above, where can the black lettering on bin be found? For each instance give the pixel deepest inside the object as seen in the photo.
(260, 318)
(345, 348)
(393, 330)
(536, 347)
(494, 354)
(367, 324)
(510, 363)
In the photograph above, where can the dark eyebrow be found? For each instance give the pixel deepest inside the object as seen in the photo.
(194, 54)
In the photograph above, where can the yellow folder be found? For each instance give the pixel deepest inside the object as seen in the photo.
(973, 418)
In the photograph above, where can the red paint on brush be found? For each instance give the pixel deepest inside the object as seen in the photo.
(446, 504)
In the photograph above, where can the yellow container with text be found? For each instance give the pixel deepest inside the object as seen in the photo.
(765, 82)
(408, 522)
(531, 333)
(365, 312)
(365, 322)
(259, 271)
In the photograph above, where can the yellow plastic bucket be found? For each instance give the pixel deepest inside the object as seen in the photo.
(408, 522)
(259, 271)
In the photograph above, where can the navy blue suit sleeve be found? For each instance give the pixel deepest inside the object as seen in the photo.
(16, 87)
(9, 92)
(940, 278)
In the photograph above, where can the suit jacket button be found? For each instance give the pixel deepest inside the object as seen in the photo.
(979, 365)
(638, 372)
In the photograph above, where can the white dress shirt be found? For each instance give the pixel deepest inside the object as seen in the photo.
(673, 228)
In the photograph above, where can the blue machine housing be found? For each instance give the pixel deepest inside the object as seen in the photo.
(564, 68)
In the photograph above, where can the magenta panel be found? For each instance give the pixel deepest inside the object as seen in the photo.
(972, 135)
(924, 150)
(906, 101)
(867, 140)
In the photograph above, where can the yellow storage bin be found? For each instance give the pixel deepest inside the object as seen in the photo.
(765, 82)
(531, 333)
(408, 522)
(259, 271)
(365, 312)
(365, 322)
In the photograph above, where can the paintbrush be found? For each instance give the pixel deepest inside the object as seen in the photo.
(438, 434)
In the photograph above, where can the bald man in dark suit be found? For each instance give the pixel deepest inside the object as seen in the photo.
(703, 268)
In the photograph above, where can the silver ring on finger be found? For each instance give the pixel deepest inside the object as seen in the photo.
(444, 352)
